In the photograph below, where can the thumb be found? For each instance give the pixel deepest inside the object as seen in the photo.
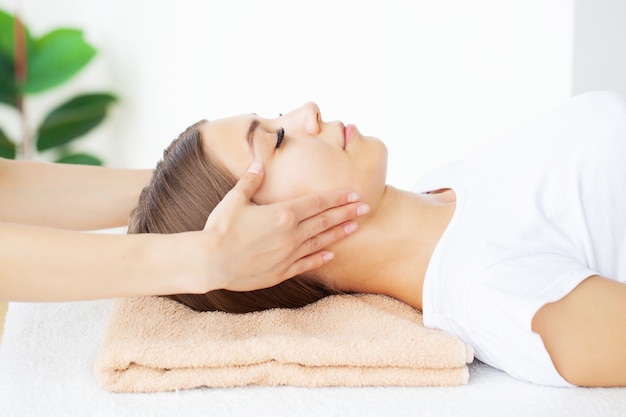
(250, 182)
(247, 185)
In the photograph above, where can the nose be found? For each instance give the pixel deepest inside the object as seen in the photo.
(313, 118)
(308, 117)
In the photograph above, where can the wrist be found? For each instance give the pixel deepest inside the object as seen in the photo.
(187, 263)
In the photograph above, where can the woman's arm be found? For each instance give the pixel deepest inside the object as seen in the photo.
(243, 247)
(76, 197)
(585, 333)
(44, 264)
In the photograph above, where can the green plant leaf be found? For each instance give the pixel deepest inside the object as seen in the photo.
(55, 58)
(7, 148)
(80, 159)
(7, 35)
(8, 88)
(73, 119)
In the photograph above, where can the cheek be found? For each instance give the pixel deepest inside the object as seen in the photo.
(314, 169)
(290, 178)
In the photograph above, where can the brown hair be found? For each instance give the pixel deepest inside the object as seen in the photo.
(185, 188)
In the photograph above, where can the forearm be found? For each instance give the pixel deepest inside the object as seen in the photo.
(41, 264)
(68, 196)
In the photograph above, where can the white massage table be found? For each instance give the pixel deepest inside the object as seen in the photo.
(46, 369)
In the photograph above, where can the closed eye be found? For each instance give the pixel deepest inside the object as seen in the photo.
(280, 135)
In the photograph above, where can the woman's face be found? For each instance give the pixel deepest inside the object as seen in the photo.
(312, 156)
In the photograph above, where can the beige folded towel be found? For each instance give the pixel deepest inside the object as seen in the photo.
(156, 344)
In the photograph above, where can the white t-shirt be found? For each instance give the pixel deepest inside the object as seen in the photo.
(538, 210)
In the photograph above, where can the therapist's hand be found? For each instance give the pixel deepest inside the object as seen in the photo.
(263, 245)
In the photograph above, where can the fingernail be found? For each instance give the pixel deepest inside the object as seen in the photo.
(327, 256)
(256, 167)
(350, 228)
(352, 197)
(362, 209)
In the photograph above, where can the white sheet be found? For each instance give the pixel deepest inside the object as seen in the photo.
(48, 352)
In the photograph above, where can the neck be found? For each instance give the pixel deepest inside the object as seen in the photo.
(390, 253)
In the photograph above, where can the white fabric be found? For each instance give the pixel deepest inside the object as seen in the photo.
(47, 360)
(539, 209)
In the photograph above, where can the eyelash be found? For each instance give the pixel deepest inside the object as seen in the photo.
(280, 133)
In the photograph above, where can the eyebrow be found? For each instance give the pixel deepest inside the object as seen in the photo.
(253, 125)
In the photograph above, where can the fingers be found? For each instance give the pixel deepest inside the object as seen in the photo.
(309, 263)
(250, 182)
(322, 240)
(310, 256)
(330, 218)
(310, 205)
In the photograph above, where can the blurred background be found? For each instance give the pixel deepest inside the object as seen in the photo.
(432, 78)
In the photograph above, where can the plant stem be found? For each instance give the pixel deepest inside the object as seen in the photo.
(25, 150)
(21, 73)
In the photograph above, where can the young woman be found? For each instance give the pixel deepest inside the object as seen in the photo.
(519, 249)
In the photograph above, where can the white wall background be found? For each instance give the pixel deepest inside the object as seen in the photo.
(599, 45)
(430, 77)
